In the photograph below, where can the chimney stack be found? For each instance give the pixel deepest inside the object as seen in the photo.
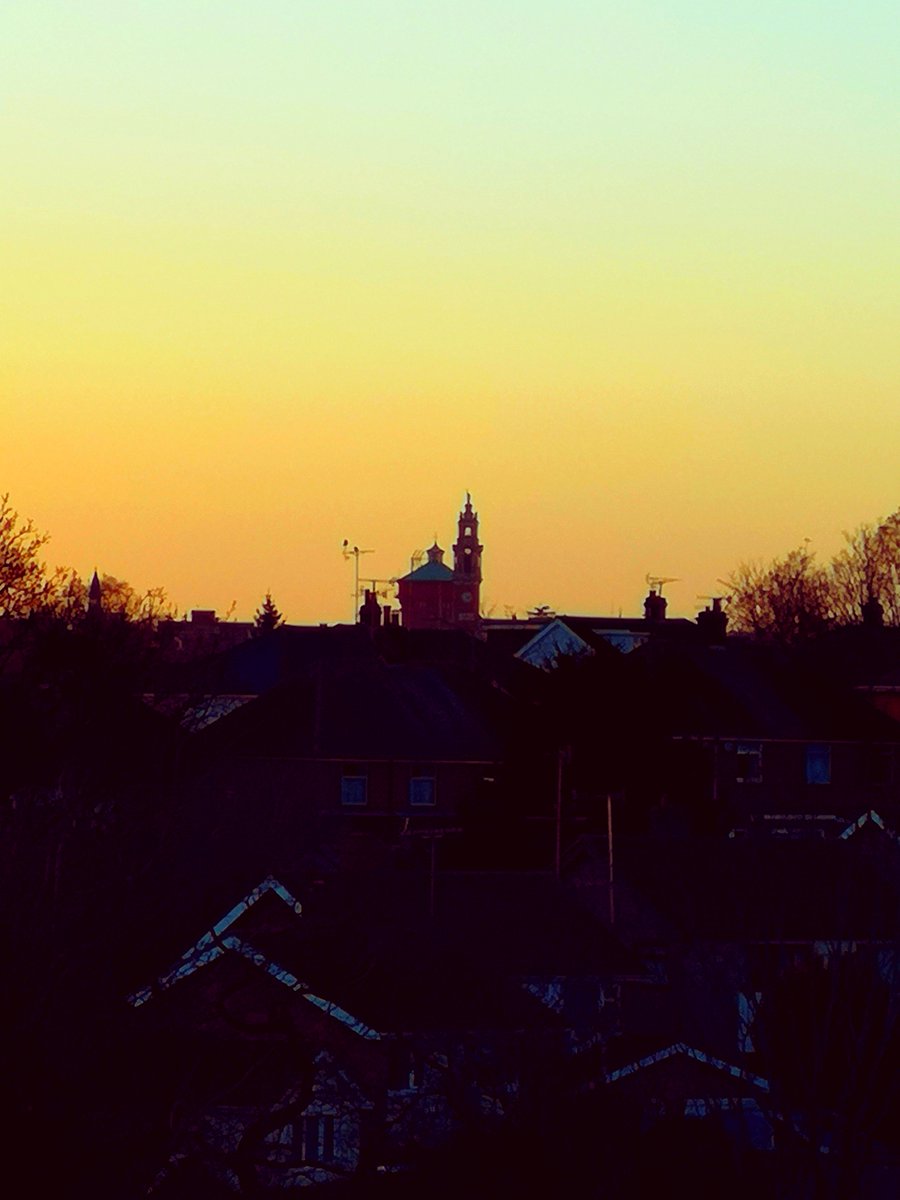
(713, 623)
(655, 607)
(370, 610)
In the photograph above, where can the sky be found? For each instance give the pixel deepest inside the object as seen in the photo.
(284, 273)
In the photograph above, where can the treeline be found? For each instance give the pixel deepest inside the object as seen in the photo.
(796, 597)
(788, 599)
(29, 588)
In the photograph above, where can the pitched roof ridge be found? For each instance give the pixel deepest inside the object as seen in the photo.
(212, 945)
(702, 1056)
(209, 945)
(862, 820)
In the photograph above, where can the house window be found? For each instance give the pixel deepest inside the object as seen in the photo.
(406, 1068)
(353, 789)
(421, 790)
(748, 768)
(316, 1137)
(818, 764)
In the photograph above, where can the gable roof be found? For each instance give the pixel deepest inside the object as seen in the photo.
(864, 819)
(371, 710)
(860, 656)
(216, 942)
(429, 572)
(338, 954)
(681, 1049)
(766, 890)
(567, 636)
(258, 664)
(745, 689)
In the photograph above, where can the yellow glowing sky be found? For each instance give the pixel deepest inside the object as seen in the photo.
(278, 274)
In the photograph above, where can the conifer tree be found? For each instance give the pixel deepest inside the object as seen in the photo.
(267, 617)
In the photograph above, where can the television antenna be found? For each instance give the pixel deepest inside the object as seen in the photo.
(715, 601)
(541, 612)
(354, 552)
(380, 587)
(657, 581)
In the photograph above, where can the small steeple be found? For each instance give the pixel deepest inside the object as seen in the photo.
(95, 594)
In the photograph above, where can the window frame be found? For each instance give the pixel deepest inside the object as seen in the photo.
(346, 780)
(817, 752)
(406, 1068)
(746, 753)
(421, 779)
(317, 1132)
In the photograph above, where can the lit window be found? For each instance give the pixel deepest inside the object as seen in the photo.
(353, 789)
(421, 790)
(818, 764)
(748, 768)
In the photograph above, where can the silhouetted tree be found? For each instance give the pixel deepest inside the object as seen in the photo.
(28, 589)
(267, 617)
(119, 598)
(794, 597)
(23, 574)
(866, 573)
(787, 600)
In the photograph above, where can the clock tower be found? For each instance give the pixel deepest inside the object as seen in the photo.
(432, 596)
(467, 567)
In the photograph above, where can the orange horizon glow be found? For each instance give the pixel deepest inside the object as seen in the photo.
(278, 278)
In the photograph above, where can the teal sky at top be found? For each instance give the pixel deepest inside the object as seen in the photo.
(296, 96)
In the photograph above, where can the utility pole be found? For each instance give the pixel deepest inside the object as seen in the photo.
(609, 840)
(354, 552)
(557, 856)
(431, 835)
(563, 756)
(432, 878)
